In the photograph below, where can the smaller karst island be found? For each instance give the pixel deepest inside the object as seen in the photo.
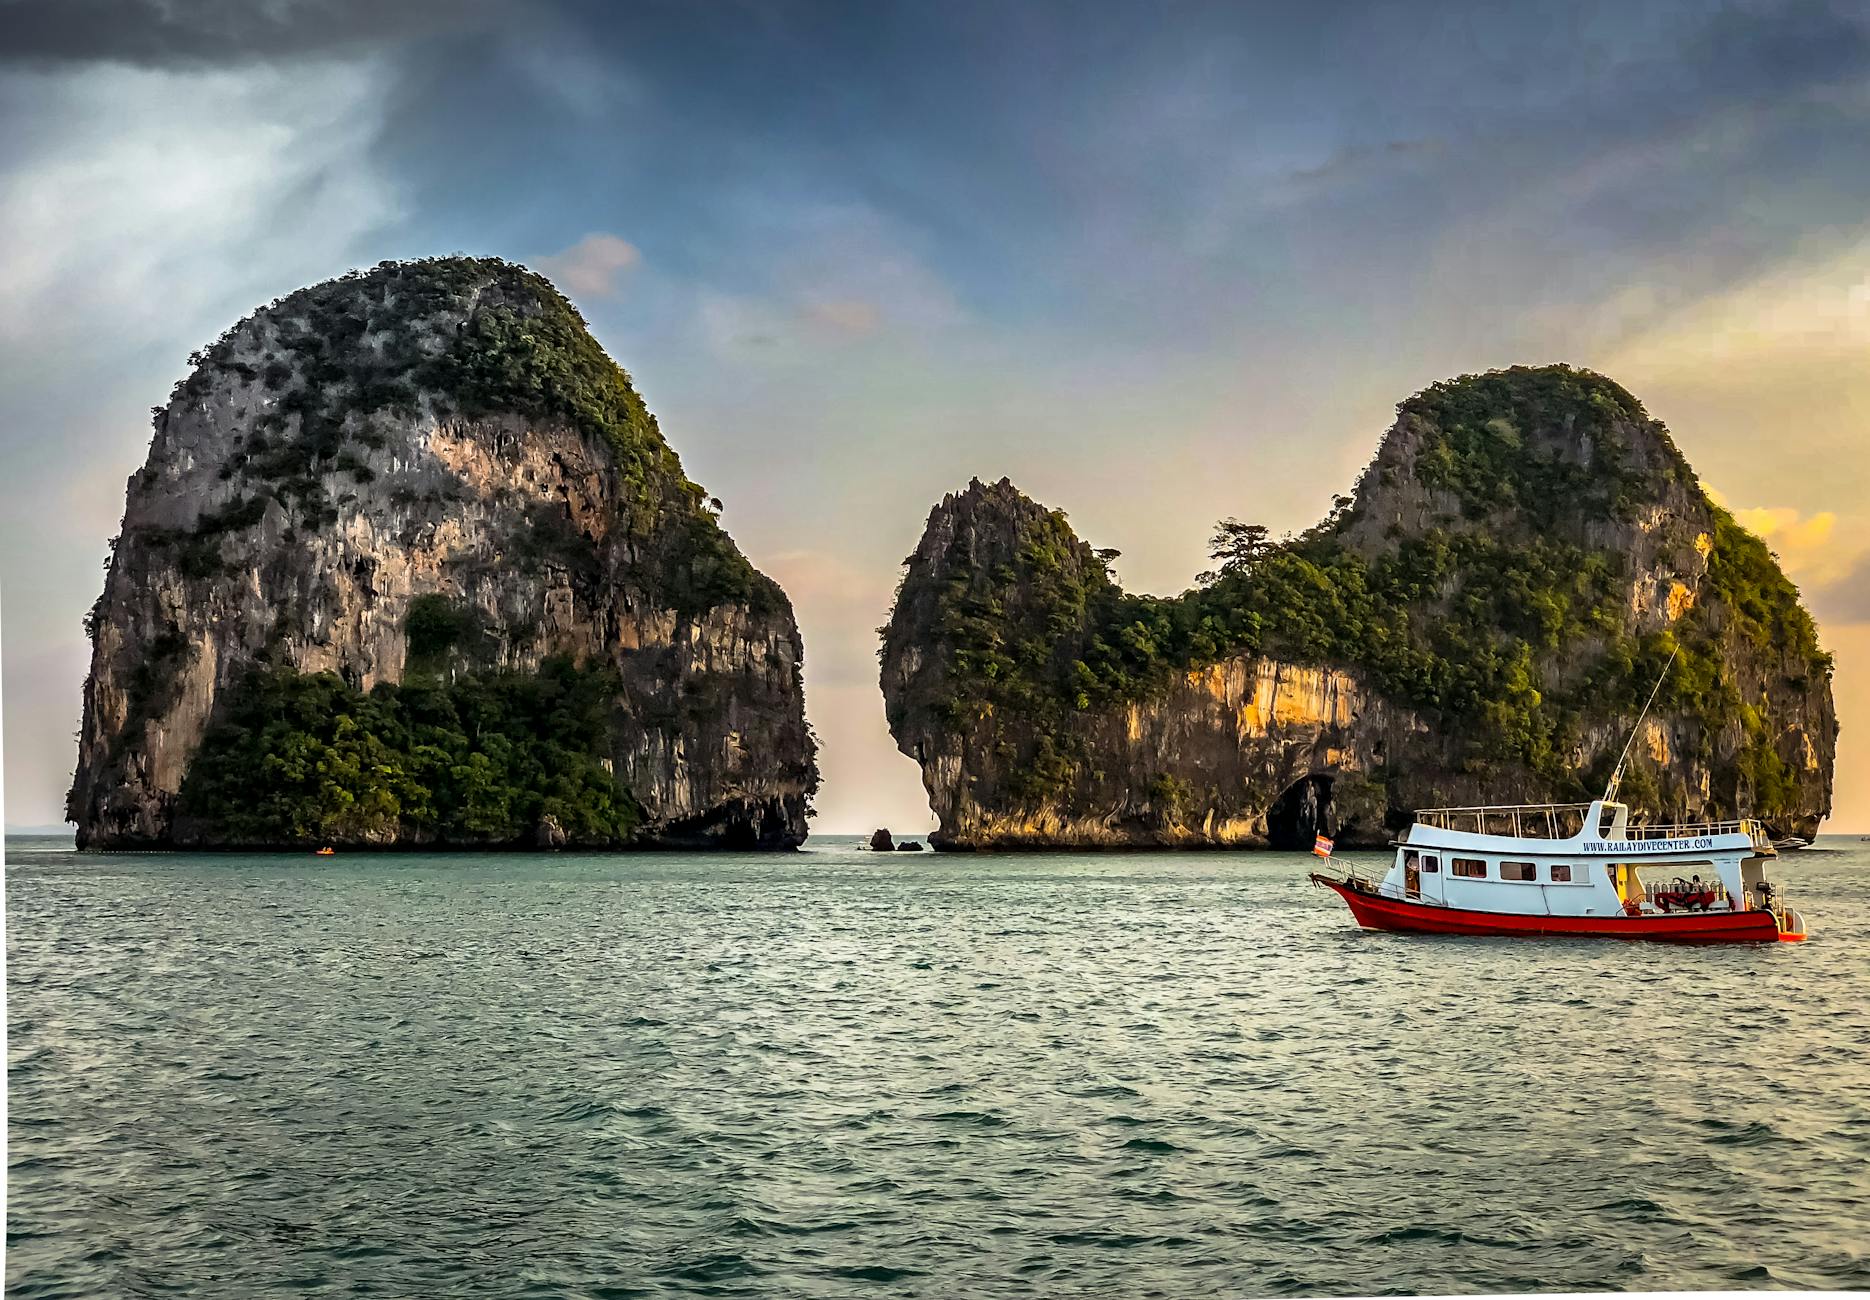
(1480, 622)
(410, 565)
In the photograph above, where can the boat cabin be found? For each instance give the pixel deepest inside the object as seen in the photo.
(1579, 860)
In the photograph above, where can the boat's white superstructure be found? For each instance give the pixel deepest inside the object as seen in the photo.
(1457, 856)
(1575, 868)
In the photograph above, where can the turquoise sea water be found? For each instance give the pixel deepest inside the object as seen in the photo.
(840, 1073)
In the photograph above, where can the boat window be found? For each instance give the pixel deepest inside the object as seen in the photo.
(1518, 871)
(1469, 867)
(1561, 873)
(1431, 864)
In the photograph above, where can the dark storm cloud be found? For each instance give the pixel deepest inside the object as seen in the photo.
(1191, 135)
(194, 33)
(1764, 48)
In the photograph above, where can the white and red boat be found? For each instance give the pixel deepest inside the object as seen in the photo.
(1574, 869)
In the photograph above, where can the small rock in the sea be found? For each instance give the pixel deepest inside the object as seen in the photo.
(908, 846)
(881, 841)
(548, 834)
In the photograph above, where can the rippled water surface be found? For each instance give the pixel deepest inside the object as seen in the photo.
(837, 1073)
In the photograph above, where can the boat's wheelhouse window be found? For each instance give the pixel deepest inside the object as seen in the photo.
(1518, 871)
(1430, 863)
(1468, 867)
(1561, 873)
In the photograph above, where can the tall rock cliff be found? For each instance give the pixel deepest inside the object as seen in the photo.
(410, 563)
(1481, 622)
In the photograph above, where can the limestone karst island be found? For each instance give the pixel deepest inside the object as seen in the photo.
(411, 564)
(1480, 622)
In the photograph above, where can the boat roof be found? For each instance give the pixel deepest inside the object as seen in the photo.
(1598, 828)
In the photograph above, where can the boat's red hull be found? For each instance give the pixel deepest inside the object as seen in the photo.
(1374, 912)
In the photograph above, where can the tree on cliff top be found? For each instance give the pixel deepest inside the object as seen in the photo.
(1235, 548)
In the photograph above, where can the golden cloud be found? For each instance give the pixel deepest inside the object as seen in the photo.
(1793, 316)
(590, 267)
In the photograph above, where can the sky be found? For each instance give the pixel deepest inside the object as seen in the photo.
(1157, 262)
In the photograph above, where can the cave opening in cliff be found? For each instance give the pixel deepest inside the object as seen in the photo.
(1301, 814)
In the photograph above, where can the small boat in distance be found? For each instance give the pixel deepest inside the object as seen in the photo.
(1574, 869)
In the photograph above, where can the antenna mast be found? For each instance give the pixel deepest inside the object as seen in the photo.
(1616, 776)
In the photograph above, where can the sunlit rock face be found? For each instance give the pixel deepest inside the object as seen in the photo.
(1481, 622)
(444, 429)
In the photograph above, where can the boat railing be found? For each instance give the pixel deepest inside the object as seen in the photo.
(1530, 821)
(1379, 888)
(1680, 895)
(1747, 826)
(1563, 821)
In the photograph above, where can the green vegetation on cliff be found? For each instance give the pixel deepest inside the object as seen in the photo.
(473, 338)
(1480, 443)
(294, 759)
(1495, 616)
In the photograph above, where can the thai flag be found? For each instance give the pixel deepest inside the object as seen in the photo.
(1321, 847)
